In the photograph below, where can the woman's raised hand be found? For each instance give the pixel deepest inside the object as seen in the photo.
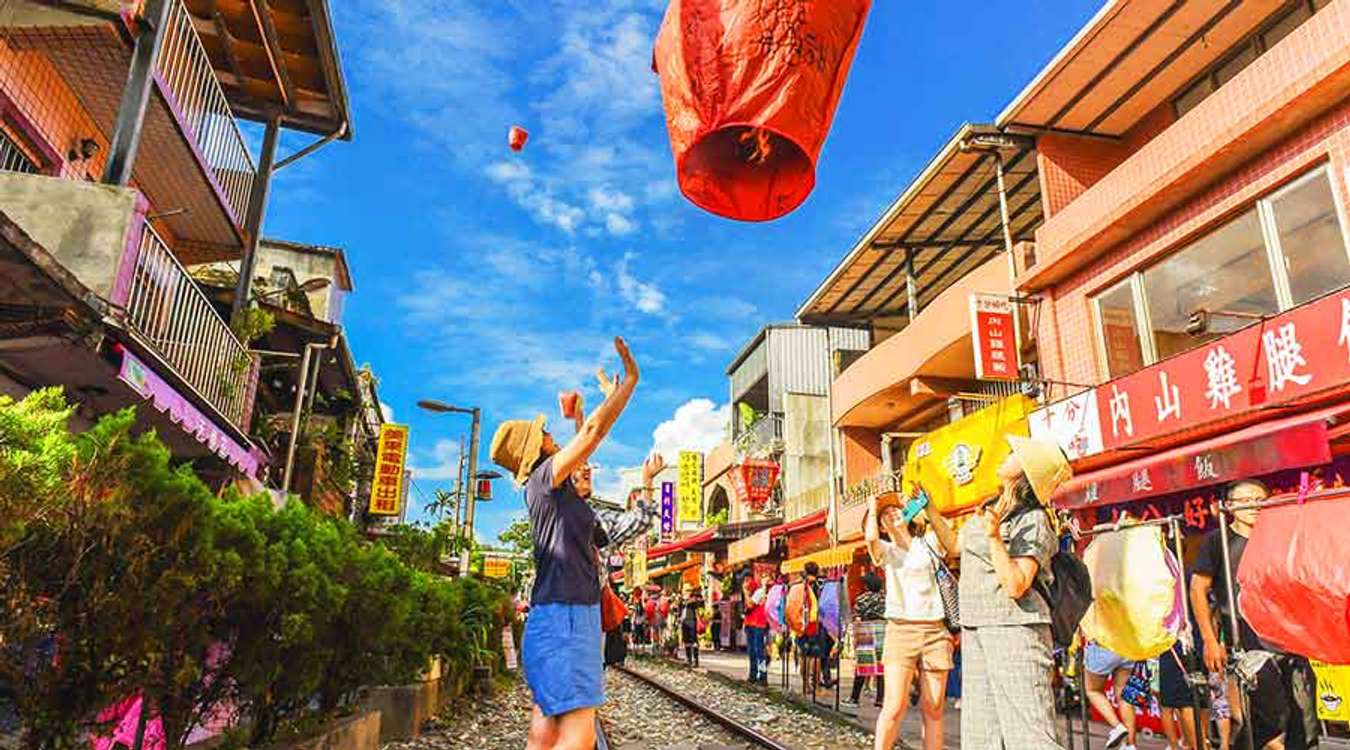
(630, 367)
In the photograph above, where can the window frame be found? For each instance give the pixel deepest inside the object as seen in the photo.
(1270, 236)
(26, 135)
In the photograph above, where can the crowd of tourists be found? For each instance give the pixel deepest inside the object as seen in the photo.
(992, 613)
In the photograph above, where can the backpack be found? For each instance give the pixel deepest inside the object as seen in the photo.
(1069, 596)
(802, 610)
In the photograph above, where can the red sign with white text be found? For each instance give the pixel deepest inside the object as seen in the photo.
(1281, 360)
(993, 328)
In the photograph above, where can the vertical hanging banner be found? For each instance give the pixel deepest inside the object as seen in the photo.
(691, 488)
(993, 330)
(667, 510)
(386, 489)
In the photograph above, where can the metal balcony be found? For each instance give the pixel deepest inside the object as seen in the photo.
(168, 310)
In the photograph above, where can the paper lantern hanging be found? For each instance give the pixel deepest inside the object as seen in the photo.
(516, 138)
(750, 89)
(753, 482)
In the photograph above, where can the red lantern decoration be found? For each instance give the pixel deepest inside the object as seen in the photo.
(750, 89)
(516, 138)
(753, 482)
(568, 403)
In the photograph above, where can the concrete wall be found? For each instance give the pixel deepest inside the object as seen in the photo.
(405, 708)
(83, 225)
(360, 732)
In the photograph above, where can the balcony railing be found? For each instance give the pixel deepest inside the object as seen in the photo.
(763, 435)
(187, 72)
(169, 310)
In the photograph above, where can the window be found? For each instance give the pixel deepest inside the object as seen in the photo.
(1118, 323)
(13, 158)
(1222, 71)
(1286, 250)
(1310, 242)
(1225, 271)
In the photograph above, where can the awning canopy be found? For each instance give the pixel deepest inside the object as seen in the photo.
(1291, 442)
(945, 224)
(677, 568)
(679, 545)
(805, 522)
(1132, 57)
(834, 557)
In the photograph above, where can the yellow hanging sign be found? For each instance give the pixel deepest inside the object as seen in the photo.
(958, 464)
(690, 490)
(386, 489)
(496, 567)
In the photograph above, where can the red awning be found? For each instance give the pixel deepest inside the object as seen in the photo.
(1292, 442)
(661, 550)
(805, 522)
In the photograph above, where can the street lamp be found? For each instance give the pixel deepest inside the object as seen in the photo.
(440, 407)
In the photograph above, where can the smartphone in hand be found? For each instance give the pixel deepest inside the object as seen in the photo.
(915, 506)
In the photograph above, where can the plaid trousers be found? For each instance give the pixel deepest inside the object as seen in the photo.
(1006, 699)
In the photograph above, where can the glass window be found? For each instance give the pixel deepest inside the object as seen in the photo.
(1225, 271)
(1287, 23)
(1311, 241)
(1194, 95)
(1234, 65)
(1120, 330)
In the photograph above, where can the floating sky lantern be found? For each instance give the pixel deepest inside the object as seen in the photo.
(750, 89)
(516, 138)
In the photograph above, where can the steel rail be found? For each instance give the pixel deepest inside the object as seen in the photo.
(726, 721)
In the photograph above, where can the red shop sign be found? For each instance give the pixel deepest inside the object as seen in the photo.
(1281, 360)
(1255, 451)
(993, 328)
(753, 482)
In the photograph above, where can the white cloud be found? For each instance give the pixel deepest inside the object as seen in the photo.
(442, 462)
(539, 201)
(698, 425)
(602, 199)
(645, 297)
(708, 341)
(387, 412)
(619, 225)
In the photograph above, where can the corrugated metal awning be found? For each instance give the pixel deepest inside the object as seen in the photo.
(834, 557)
(944, 225)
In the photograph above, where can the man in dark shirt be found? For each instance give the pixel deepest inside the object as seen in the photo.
(1278, 715)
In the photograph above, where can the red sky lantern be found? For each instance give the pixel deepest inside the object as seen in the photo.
(750, 89)
(753, 482)
(516, 138)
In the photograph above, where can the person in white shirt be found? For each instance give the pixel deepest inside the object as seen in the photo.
(915, 634)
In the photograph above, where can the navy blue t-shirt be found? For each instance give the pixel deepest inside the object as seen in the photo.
(563, 526)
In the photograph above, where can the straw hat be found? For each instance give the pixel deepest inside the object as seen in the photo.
(1044, 464)
(517, 444)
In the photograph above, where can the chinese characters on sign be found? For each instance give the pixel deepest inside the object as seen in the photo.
(496, 567)
(386, 488)
(1291, 357)
(753, 482)
(667, 510)
(1072, 423)
(691, 488)
(993, 327)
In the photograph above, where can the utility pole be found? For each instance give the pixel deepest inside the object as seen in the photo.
(440, 407)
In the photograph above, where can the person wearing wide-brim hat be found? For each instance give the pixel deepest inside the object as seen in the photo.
(562, 652)
(1007, 656)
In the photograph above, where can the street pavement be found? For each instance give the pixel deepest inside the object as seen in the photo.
(732, 665)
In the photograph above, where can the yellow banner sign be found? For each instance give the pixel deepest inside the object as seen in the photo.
(496, 567)
(1333, 692)
(690, 492)
(635, 569)
(958, 464)
(386, 489)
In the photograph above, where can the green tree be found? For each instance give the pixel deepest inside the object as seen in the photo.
(518, 536)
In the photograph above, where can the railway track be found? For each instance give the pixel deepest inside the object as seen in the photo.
(745, 734)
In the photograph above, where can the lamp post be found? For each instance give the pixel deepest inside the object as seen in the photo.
(440, 407)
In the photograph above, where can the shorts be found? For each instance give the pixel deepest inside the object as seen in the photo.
(563, 657)
(1104, 662)
(911, 644)
(1173, 689)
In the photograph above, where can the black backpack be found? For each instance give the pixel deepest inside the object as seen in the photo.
(1069, 596)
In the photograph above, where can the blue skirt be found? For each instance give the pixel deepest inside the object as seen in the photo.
(563, 657)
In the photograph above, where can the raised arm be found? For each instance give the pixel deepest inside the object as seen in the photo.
(950, 541)
(872, 534)
(598, 424)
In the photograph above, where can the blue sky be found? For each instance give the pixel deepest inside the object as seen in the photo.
(499, 279)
